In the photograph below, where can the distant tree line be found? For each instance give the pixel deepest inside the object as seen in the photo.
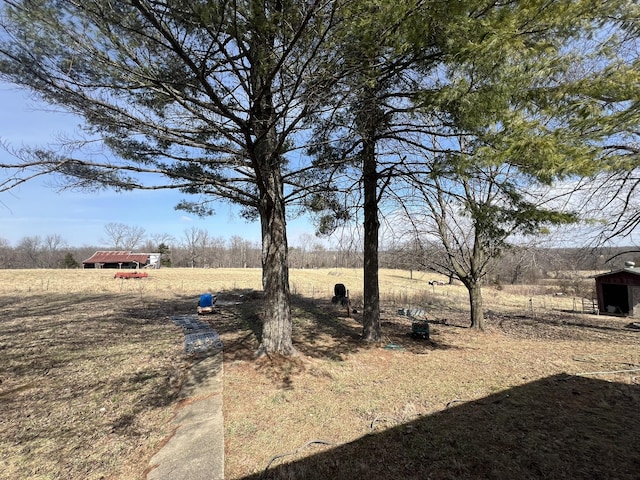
(198, 249)
(519, 264)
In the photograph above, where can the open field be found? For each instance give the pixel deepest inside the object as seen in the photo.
(396, 287)
(91, 369)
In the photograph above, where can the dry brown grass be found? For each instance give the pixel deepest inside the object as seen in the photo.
(90, 372)
(503, 404)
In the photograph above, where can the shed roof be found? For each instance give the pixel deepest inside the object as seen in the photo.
(117, 257)
(631, 270)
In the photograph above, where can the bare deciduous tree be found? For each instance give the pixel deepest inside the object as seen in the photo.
(121, 236)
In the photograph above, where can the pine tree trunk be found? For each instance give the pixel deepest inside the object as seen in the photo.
(277, 324)
(276, 318)
(371, 315)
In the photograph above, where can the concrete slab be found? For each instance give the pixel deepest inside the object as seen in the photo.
(196, 449)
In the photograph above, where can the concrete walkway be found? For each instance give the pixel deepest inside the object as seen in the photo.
(196, 449)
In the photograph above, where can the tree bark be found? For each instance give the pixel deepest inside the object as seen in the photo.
(371, 315)
(277, 324)
(475, 303)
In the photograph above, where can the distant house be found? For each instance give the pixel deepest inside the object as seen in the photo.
(618, 291)
(122, 260)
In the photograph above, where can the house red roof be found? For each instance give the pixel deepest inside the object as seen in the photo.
(117, 257)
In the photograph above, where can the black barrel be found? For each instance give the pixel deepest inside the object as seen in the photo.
(339, 290)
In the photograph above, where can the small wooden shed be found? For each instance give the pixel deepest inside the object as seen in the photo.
(618, 291)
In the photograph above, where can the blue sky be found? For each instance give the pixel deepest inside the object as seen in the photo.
(36, 209)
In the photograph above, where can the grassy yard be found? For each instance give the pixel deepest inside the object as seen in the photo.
(91, 369)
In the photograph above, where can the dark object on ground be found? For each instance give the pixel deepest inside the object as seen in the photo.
(420, 330)
(419, 324)
(341, 296)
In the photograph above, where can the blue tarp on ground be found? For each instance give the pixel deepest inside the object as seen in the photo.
(206, 300)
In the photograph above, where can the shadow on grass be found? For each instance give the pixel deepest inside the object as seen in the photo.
(79, 372)
(59, 330)
(320, 329)
(561, 427)
(46, 334)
